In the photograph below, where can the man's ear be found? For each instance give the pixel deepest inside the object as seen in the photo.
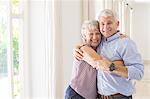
(118, 23)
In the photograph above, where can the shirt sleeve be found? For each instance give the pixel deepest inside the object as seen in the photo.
(132, 60)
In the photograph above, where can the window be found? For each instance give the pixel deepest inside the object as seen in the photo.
(11, 20)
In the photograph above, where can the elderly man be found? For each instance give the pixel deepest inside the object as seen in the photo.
(115, 81)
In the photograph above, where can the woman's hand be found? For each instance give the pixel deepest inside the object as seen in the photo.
(90, 56)
(77, 52)
(90, 53)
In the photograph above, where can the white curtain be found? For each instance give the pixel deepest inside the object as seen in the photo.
(53, 45)
(40, 38)
(55, 48)
(49, 47)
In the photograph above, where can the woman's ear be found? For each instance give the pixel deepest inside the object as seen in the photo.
(84, 38)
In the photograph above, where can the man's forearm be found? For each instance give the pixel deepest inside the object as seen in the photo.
(90, 54)
(120, 69)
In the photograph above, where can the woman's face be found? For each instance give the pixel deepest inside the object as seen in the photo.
(92, 37)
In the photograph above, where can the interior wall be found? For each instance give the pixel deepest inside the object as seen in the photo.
(71, 23)
(95, 6)
(141, 31)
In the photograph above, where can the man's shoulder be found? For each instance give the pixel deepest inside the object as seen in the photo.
(126, 42)
(124, 39)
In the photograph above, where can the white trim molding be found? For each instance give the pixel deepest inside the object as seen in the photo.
(146, 61)
(85, 9)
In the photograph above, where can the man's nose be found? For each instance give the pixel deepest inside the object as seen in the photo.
(105, 27)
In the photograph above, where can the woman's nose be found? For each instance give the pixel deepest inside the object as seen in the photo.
(95, 36)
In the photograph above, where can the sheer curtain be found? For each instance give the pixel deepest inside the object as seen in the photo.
(53, 47)
(49, 45)
(40, 39)
(42, 56)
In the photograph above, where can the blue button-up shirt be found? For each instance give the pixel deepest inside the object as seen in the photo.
(117, 48)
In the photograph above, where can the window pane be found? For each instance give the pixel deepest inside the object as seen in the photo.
(10, 23)
(16, 7)
(16, 30)
(3, 39)
(4, 28)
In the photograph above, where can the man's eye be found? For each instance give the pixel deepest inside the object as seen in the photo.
(108, 23)
(102, 24)
(97, 33)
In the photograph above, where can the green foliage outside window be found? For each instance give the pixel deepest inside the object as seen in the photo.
(3, 48)
(15, 55)
(3, 51)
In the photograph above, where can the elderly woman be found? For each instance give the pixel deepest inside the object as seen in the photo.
(83, 81)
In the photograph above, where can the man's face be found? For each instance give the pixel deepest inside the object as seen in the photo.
(92, 37)
(108, 25)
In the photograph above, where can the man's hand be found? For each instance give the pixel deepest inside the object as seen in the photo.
(104, 64)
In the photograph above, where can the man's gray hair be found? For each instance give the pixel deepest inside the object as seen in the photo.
(88, 24)
(108, 12)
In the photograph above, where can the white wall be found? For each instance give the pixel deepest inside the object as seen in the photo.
(71, 22)
(141, 30)
(95, 6)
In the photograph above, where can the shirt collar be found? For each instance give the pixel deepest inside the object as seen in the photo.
(116, 35)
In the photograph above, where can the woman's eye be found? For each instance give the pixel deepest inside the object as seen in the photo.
(91, 34)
